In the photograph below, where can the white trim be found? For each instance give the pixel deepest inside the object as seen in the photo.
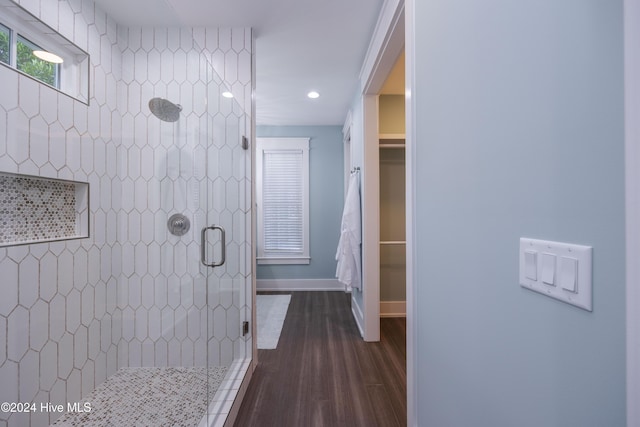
(384, 42)
(254, 210)
(358, 316)
(283, 260)
(226, 402)
(346, 141)
(385, 48)
(632, 181)
(393, 309)
(411, 184)
(275, 144)
(371, 221)
(299, 285)
(346, 127)
(237, 402)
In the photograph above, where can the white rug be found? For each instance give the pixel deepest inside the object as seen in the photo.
(271, 311)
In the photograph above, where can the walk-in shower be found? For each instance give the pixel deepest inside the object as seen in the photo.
(142, 322)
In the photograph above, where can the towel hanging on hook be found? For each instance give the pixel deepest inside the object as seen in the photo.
(349, 252)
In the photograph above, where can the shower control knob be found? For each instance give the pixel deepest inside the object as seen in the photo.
(178, 224)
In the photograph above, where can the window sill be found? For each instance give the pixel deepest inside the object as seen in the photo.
(283, 260)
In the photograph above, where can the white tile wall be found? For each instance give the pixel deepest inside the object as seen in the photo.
(72, 313)
(165, 282)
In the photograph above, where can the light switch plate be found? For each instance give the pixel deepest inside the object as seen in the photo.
(581, 296)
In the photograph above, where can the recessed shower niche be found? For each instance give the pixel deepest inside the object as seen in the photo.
(36, 209)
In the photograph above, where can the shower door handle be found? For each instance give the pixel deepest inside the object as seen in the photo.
(203, 246)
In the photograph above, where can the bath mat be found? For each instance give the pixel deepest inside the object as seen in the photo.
(271, 311)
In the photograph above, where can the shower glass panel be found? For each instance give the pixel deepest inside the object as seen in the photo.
(139, 321)
(185, 290)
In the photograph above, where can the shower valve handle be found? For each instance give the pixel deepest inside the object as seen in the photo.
(203, 246)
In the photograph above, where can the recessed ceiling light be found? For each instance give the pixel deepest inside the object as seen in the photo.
(313, 94)
(227, 94)
(48, 56)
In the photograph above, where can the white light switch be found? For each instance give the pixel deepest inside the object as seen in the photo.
(568, 274)
(548, 268)
(557, 270)
(531, 265)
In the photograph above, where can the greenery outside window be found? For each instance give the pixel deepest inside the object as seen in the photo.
(31, 47)
(5, 43)
(28, 63)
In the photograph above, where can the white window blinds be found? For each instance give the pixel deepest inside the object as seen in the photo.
(282, 178)
(282, 201)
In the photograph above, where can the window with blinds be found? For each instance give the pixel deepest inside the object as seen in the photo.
(282, 184)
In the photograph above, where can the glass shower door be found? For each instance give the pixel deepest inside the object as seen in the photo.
(186, 289)
(226, 252)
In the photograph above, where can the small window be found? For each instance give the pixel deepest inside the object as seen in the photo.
(29, 63)
(282, 183)
(38, 51)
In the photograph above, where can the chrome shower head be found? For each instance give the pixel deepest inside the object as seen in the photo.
(165, 110)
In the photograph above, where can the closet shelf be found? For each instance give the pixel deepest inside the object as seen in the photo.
(393, 242)
(391, 140)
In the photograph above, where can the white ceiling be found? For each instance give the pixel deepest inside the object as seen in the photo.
(301, 45)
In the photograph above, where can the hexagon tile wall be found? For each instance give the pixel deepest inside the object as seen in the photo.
(73, 312)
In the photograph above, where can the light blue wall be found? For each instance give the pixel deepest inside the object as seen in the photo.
(326, 200)
(519, 118)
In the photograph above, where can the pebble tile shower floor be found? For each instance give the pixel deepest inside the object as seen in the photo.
(149, 397)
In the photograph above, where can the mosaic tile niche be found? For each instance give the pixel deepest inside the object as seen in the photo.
(34, 209)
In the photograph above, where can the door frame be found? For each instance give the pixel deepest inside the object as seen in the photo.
(385, 47)
(632, 198)
(346, 151)
(411, 183)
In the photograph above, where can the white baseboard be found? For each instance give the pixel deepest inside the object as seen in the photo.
(299, 285)
(393, 309)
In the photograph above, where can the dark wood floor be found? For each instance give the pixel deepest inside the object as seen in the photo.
(323, 374)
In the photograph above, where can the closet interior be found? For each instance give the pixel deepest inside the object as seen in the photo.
(391, 139)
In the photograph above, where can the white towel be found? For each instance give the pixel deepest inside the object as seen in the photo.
(349, 253)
